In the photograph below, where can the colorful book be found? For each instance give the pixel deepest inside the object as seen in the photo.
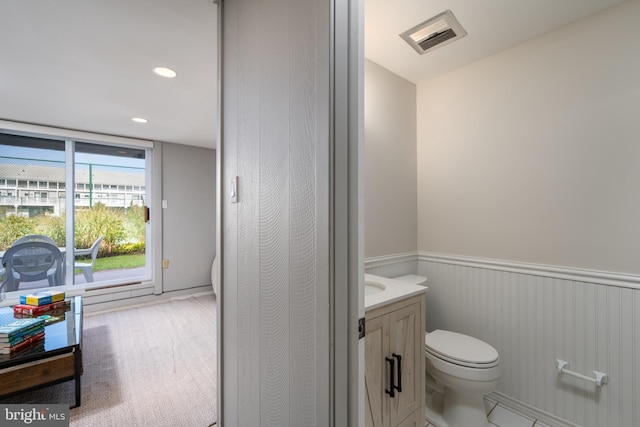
(51, 319)
(27, 332)
(42, 298)
(19, 327)
(31, 310)
(35, 347)
(22, 344)
(19, 338)
(58, 314)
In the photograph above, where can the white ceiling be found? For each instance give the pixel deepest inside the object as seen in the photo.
(492, 26)
(86, 65)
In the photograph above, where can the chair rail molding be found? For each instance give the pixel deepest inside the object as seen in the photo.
(558, 272)
(385, 260)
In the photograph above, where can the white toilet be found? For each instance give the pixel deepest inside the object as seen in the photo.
(464, 369)
(467, 369)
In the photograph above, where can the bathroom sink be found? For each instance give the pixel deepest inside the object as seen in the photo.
(372, 288)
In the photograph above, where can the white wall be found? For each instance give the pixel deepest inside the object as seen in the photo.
(528, 177)
(188, 222)
(390, 162)
(532, 154)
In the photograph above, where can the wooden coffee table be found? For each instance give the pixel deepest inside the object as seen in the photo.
(59, 361)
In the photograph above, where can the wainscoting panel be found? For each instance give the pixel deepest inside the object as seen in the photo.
(533, 317)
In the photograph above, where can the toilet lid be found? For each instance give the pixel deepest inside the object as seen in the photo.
(460, 349)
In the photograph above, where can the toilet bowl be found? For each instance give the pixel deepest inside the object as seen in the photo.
(466, 369)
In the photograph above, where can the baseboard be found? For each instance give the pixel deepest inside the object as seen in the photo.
(145, 299)
(529, 411)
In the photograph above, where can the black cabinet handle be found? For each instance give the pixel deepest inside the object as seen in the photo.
(399, 359)
(391, 377)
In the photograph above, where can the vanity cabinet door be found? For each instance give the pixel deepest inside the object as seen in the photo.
(406, 346)
(395, 338)
(375, 381)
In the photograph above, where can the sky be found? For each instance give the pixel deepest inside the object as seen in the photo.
(82, 159)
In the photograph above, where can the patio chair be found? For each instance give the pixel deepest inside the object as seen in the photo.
(30, 262)
(87, 267)
(34, 238)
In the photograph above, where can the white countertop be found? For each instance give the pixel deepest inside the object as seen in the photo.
(394, 290)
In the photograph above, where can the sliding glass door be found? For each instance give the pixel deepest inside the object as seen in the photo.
(110, 192)
(108, 196)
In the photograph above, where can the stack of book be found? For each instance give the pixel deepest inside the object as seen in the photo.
(54, 309)
(21, 335)
(38, 299)
(47, 305)
(24, 331)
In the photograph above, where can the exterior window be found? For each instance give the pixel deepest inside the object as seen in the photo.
(32, 175)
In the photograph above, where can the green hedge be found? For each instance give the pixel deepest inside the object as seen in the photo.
(123, 230)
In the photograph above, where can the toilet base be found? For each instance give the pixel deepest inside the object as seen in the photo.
(434, 417)
(456, 409)
(464, 409)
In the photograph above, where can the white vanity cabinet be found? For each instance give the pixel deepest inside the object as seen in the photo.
(394, 363)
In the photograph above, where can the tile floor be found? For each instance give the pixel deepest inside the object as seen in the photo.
(500, 416)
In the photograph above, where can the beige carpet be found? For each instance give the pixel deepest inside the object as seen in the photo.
(149, 365)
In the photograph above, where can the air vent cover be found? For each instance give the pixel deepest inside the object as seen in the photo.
(435, 32)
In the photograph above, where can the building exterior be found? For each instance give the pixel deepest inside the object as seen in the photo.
(31, 190)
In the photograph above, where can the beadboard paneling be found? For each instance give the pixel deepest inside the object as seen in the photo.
(532, 319)
(275, 125)
(247, 84)
(302, 243)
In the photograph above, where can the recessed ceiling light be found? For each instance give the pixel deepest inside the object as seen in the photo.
(139, 120)
(165, 72)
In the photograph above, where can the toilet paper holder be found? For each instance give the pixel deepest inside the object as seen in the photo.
(600, 379)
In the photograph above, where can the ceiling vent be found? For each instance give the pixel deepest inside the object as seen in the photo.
(435, 32)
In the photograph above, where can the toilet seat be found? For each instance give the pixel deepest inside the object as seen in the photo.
(461, 350)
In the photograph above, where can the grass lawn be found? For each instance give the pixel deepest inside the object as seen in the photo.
(118, 262)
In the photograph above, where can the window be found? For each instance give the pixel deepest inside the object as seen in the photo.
(34, 164)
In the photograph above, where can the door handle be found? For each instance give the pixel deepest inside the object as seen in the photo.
(391, 377)
(399, 360)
